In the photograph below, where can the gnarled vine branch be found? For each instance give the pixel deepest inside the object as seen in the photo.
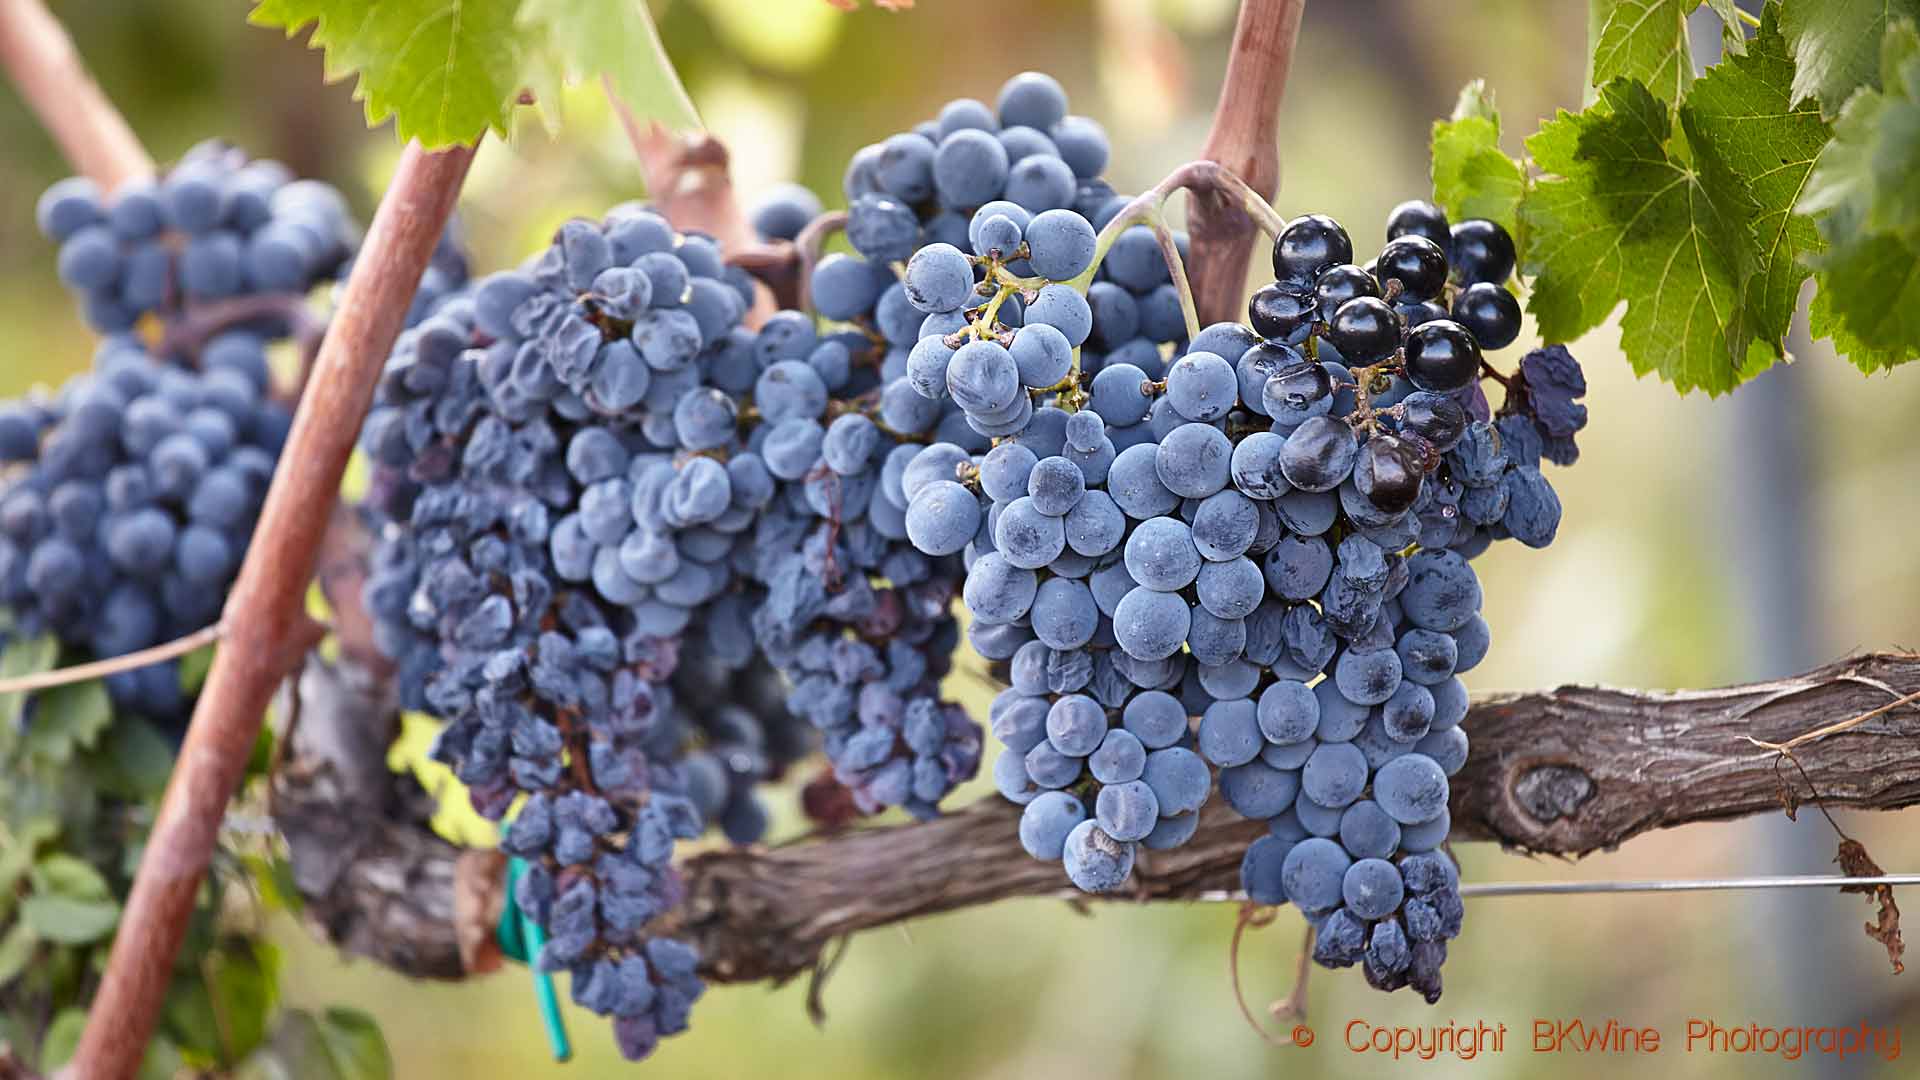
(1567, 771)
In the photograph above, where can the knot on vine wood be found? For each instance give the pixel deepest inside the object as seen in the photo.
(1551, 792)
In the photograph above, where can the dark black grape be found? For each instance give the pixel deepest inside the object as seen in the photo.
(1365, 330)
(1418, 217)
(1489, 312)
(1437, 418)
(1278, 314)
(1417, 263)
(1482, 251)
(1308, 245)
(1339, 284)
(1441, 356)
(1301, 385)
(1388, 473)
(1424, 311)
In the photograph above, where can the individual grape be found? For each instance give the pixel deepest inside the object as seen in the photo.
(1448, 749)
(1134, 483)
(983, 377)
(1412, 789)
(1368, 832)
(1060, 242)
(1365, 330)
(1308, 245)
(1313, 873)
(1042, 354)
(1127, 811)
(1148, 625)
(1026, 537)
(997, 591)
(1047, 821)
(1490, 313)
(1417, 263)
(1194, 460)
(1064, 309)
(1202, 386)
(1056, 485)
(783, 211)
(1156, 718)
(1418, 217)
(1255, 466)
(1288, 712)
(1095, 861)
(1229, 733)
(1482, 251)
(1338, 284)
(1297, 568)
(1230, 590)
(1372, 888)
(1335, 775)
(969, 167)
(1160, 554)
(1083, 145)
(1261, 870)
(1121, 757)
(1064, 613)
(1179, 780)
(1441, 356)
(1386, 477)
(1442, 592)
(1032, 99)
(1280, 314)
(939, 278)
(1319, 454)
(942, 518)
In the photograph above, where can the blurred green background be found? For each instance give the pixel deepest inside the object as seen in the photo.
(1704, 542)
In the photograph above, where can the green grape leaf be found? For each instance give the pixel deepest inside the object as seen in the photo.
(69, 921)
(62, 1039)
(134, 760)
(1646, 40)
(64, 875)
(615, 40)
(21, 657)
(17, 855)
(1836, 45)
(1743, 117)
(1733, 41)
(1862, 194)
(17, 949)
(445, 71)
(1472, 177)
(1876, 147)
(354, 1045)
(242, 983)
(67, 719)
(1824, 322)
(1629, 218)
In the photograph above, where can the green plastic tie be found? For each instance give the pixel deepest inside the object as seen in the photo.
(521, 939)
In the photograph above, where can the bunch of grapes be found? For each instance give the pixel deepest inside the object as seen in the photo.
(217, 226)
(859, 622)
(128, 503)
(618, 526)
(1269, 535)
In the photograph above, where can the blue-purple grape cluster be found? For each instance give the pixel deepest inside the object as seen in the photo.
(128, 501)
(859, 622)
(216, 226)
(1250, 562)
(617, 528)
